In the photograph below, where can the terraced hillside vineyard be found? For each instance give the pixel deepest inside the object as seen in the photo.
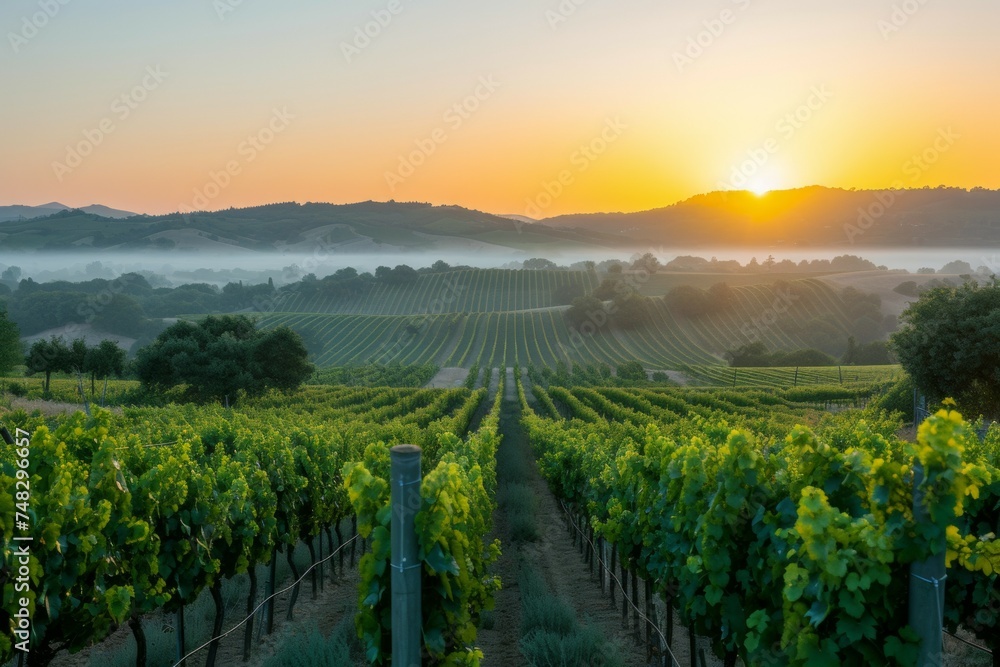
(505, 317)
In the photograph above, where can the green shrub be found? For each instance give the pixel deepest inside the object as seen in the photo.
(540, 611)
(550, 634)
(521, 506)
(311, 649)
(583, 646)
(897, 397)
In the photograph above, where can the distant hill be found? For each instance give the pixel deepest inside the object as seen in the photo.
(18, 212)
(811, 217)
(804, 218)
(291, 227)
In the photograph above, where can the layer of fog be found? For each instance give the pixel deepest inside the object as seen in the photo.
(168, 268)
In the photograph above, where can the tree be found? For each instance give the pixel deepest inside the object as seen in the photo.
(103, 361)
(47, 356)
(538, 264)
(876, 353)
(282, 358)
(948, 345)
(586, 309)
(632, 371)
(631, 311)
(751, 354)
(957, 268)
(223, 356)
(11, 352)
(689, 301)
(647, 262)
(122, 315)
(76, 356)
(720, 296)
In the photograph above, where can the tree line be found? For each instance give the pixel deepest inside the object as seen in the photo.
(218, 358)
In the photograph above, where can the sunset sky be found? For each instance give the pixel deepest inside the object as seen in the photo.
(631, 104)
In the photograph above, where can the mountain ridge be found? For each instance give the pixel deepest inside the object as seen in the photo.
(813, 216)
(24, 212)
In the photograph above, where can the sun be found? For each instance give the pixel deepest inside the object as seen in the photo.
(763, 184)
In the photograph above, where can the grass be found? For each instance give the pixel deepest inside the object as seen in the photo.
(309, 648)
(520, 504)
(551, 635)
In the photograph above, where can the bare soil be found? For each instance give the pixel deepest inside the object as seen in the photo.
(448, 378)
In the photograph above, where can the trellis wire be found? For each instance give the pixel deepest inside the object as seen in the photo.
(265, 601)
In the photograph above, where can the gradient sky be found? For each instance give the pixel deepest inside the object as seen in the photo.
(672, 127)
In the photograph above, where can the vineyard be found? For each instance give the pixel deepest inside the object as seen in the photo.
(140, 512)
(778, 531)
(505, 317)
(792, 377)
(784, 544)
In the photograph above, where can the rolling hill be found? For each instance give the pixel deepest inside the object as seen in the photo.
(291, 227)
(501, 317)
(812, 217)
(18, 212)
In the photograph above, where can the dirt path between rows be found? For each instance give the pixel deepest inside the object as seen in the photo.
(553, 555)
(448, 378)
